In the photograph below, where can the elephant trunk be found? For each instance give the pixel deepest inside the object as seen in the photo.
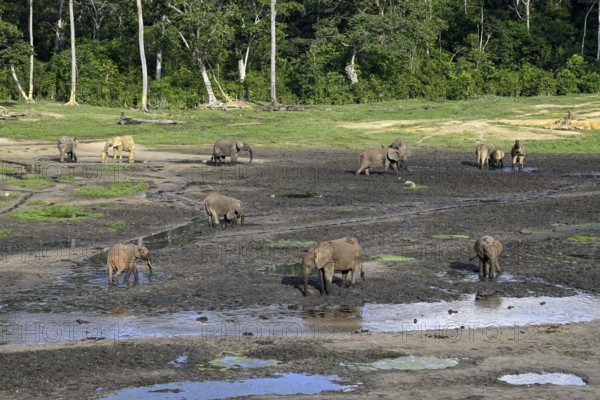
(306, 272)
(249, 151)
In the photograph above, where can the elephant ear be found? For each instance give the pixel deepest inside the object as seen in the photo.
(118, 142)
(239, 145)
(393, 154)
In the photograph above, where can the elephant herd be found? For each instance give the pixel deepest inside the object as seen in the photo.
(340, 255)
(485, 159)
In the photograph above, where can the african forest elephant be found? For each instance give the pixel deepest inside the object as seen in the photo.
(67, 146)
(123, 256)
(218, 205)
(119, 144)
(518, 154)
(344, 254)
(497, 158)
(488, 250)
(398, 144)
(482, 153)
(381, 157)
(229, 148)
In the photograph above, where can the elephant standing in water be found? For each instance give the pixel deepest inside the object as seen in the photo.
(488, 250)
(344, 254)
(229, 148)
(218, 205)
(518, 154)
(67, 146)
(482, 154)
(119, 144)
(123, 256)
(382, 157)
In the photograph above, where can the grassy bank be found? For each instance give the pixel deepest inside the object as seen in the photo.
(457, 125)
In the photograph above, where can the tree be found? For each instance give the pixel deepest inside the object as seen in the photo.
(142, 56)
(13, 50)
(72, 100)
(274, 103)
(60, 24)
(30, 94)
(585, 26)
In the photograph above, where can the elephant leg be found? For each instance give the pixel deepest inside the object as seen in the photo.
(367, 171)
(514, 161)
(481, 268)
(131, 156)
(344, 278)
(322, 279)
(328, 277)
(395, 166)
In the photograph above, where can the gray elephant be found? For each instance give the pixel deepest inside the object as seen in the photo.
(482, 154)
(229, 148)
(382, 157)
(488, 251)
(497, 159)
(67, 146)
(218, 205)
(119, 144)
(123, 256)
(344, 254)
(518, 154)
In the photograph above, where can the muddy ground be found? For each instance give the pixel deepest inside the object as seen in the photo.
(296, 197)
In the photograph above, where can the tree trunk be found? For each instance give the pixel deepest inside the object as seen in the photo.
(60, 25)
(351, 71)
(142, 56)
(243, 64)
(212, 100)
(527, 13)
(585, 27)
(72, 100)
(14, 75)
(159, 58)
(30, 95)
(598, 48)
(274, 103)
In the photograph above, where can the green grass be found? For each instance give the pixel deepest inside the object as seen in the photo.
(12, 195)
(288, 244)
(450, 236)
(389, 257)
(114, 190)
(34, 203)
(353, 126)
(4, 203)
(54, 213)
(582, 238)
(28, 182)
(116, 225)
(4, 234)
(416, 187)
(67, 178)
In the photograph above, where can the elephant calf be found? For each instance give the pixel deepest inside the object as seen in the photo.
(518, 154)
(119, 144)
(482, 153)
(123, 256)
(218, 205)
(382, 157)
(67, 146)
(497, 159)
(229, 148)
(488, 250)
(344, 254)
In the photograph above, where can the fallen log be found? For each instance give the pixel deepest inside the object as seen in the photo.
(123, 120)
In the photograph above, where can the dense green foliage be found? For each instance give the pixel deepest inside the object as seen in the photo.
(433, 49)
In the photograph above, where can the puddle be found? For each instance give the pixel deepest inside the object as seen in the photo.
(298, 195)
(179, 361)
(472, 276)
(412, 363)
(290, 322)
(178, 236)
(242, 362)
(543, 378)
(280, 384)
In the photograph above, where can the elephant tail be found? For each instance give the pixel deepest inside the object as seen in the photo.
(362, 274)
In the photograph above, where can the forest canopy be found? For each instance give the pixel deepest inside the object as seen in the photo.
(328, 51)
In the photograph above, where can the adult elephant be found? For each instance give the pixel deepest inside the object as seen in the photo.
(229, 148)
(344, 254)
(123, 256)
(218, 205)
(482, 154)
(488, 251)
(67, 146)
(518, 154)
(119, 144)
(381, 157)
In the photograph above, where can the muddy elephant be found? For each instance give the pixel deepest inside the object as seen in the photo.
(398, 144)
(482, 154)
(119, 144)
(382, 157)
(488, 250)
(497, 159)
(218, 205)
(344, 254)
(229, 148)
(123, 256)
(67, 146)
(518, 154)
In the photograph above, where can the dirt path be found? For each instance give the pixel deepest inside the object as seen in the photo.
(52, 272)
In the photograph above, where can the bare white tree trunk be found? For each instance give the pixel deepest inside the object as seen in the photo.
(142, 56)
(351, 70)
(60, 25)
(212, 99)
(14, 75)
(527, 13)
(274, 102)
(243, 64)
(30, 95)
(72, 100)
(159, 58)
(585, 26)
